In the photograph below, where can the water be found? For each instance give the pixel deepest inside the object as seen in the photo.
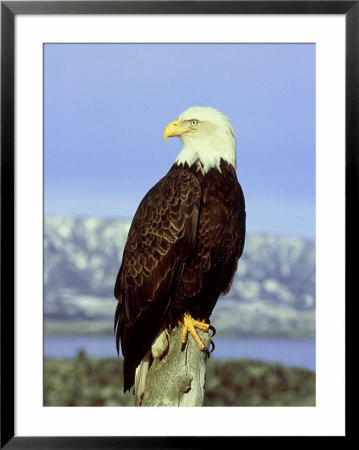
(290, 352)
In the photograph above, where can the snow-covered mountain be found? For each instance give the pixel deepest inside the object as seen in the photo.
(273, 291)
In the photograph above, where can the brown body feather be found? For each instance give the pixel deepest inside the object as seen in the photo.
(181, 253)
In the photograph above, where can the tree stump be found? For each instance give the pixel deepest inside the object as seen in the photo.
(178, 378)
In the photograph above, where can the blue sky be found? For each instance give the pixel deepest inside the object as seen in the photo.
(106, 105)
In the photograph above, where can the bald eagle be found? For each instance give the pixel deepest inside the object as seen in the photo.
(183, 245)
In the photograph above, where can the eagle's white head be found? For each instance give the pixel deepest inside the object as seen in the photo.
(207, 136)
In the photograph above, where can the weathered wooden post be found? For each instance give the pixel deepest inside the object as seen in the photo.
(178, 379)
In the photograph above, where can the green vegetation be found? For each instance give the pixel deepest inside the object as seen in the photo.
(251, 383)
(98, 382)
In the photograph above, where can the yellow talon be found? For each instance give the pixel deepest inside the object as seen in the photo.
(189, 324)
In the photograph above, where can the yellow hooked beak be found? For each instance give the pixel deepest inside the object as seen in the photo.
(175, 128)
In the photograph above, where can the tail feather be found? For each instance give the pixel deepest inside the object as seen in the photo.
(158, 349)
(141, 378)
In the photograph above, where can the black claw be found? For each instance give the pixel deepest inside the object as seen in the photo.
(211, 327)
(213, 347)
(183, 346)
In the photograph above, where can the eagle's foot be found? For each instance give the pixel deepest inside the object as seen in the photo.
(211, 327)
(189, 324)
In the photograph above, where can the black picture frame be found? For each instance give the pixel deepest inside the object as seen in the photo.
(9, 9)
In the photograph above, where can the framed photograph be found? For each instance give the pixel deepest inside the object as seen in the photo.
(87, 91)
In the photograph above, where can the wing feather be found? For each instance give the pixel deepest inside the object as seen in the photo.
(161, 237)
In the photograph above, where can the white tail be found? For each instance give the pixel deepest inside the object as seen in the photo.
(158, 348)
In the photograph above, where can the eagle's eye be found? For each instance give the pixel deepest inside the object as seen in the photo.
(193, 122)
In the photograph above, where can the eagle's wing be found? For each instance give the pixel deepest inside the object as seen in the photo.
(162, 236)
